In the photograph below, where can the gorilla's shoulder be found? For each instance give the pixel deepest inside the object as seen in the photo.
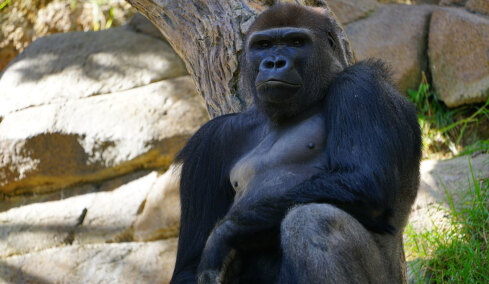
(222, 132)
(235, 122)
(368, 78)
(371, 70)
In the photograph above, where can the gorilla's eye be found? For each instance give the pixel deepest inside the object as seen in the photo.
(331, 40)
(263, 44)
(297, 42)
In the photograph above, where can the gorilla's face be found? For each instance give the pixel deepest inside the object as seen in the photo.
(280, 56)
(289, 69)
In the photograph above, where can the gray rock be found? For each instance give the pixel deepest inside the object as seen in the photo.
(49, 147)
(62, 67)
(458, 51)
(150, 262)
(397, 34)
(452, 175)
(104, 215)
(439, 177)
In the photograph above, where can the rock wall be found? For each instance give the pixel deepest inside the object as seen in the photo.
(449, 44)
(90, 123)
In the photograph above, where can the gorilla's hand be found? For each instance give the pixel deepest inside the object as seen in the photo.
(209, 277)
(217, 250)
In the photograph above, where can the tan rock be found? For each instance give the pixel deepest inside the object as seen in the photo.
(161, 213)
(22, 21)
(458, 51)
(452, 175)
(396, 34)
(48, 147)
(479, 6)
(7, 53)
(150, 262)
(104, 213)
(348, 11)
(64, 67)
(53, 18)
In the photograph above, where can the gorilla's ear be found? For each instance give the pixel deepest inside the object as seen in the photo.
(332, 40)
(341, 40)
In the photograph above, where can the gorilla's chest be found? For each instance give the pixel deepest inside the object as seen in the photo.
(282, 158)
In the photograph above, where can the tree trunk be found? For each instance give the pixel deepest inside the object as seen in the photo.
(208, 36)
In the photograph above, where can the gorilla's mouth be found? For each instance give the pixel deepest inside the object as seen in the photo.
(277, 83)
(276, 90)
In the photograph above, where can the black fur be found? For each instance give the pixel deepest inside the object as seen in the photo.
(205, 191)
(371, 157)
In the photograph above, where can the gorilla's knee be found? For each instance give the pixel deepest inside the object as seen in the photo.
(317, 224)
(331, 244)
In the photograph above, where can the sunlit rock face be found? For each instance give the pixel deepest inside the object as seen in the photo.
(89, 124)
(458, 53)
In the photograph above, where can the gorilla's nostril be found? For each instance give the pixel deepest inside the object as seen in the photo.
(280, 63)
(269, 64)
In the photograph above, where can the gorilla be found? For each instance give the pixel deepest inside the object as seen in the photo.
(315, 182)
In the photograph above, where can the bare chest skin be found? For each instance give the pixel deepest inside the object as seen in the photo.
(284, 157)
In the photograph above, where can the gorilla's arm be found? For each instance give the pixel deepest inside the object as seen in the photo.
(373, 142)
(205, 190)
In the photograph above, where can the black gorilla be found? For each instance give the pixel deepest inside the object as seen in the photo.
(314, 184)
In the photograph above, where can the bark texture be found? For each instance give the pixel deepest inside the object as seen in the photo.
(208, 36)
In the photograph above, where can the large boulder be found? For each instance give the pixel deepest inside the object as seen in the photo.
(89, 122)
(458, 52)
(150, 262)
(397, 34)
(84, 140)
(103, 213)
(348, 11)
(62, 67)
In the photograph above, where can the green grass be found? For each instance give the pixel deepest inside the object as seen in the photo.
(98, 14)
(457, 252)
(444, 128)
(479, 146)
(456, 249)
(4, 4)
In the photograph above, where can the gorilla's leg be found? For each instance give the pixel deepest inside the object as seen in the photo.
(323, 244)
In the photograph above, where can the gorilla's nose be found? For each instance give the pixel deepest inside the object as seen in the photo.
(270, 63)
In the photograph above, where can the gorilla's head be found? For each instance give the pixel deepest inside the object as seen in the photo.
(291, 55)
